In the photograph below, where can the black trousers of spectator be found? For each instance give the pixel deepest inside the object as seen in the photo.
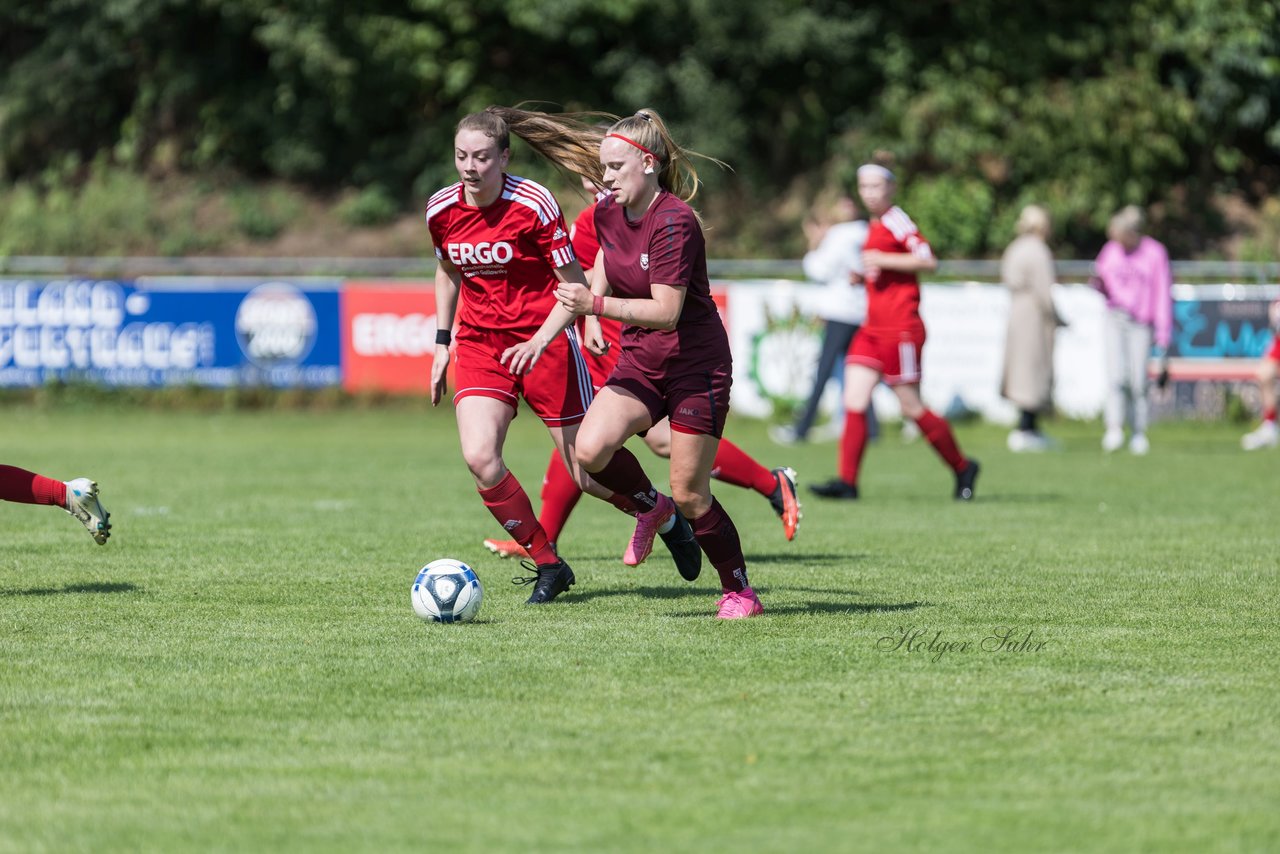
(836, 338)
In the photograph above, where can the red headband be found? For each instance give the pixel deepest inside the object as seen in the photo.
(636, 144)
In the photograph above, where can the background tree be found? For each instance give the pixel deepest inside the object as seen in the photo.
(984, 105)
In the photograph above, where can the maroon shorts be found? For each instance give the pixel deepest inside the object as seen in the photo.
(696, 401)
(558, 389)
(894, 355)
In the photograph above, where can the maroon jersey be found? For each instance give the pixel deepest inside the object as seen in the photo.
(666, 247)
(506, 252)
(893, 299)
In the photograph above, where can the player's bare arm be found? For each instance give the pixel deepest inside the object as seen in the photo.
(592, 333)
(902, 262)
(521, 357)
(661, 311)
(448, 283)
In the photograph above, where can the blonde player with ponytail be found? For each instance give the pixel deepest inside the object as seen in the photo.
(675, 361)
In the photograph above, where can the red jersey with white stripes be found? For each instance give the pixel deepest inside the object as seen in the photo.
(506, 252)
(586, 245)
(893, 297)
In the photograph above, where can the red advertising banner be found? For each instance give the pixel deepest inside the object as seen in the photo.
(388, 336)
(720, 294)
(388, 331)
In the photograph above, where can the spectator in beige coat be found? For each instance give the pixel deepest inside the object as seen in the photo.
(1027, 271)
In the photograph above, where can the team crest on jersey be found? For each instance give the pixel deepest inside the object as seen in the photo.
(644, 260)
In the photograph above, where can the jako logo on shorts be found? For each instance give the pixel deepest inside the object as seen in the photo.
(480, 253)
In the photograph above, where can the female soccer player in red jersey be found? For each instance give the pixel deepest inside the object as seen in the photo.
(560, 492)
(889, 345)
(502, 246)
(1267, 434)
(78, 497)
(675, 361)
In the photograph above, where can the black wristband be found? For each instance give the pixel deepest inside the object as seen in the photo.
(444, 336)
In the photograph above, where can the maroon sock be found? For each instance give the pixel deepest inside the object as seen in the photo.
(939, 434)
(625, 477)
(736, 466)
(560, 494)
(1270, 414)
(718, 539)
(853, 442)
(510, 506)
(27, 487)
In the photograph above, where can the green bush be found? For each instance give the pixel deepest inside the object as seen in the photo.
(113, 212)
(953, 213)
(261, 214)
(371, 206)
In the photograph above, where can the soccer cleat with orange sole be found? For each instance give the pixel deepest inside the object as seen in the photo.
(785, 502)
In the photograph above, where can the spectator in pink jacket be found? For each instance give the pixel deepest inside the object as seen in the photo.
(1132, 271)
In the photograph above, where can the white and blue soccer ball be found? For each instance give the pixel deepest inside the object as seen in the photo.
(446, 591)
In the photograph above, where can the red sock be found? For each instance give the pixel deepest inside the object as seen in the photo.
(510, 506)
(853, 442)
(633, 492)
(1269, 414)
(939, 434)
(718, 538)
(560, 494)
(27, 487)
(736, 466)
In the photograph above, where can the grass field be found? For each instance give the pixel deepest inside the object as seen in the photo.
(240, 669)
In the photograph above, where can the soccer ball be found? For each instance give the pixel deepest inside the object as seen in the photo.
(446, 591)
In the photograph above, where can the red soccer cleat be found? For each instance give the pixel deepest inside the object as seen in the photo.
(784, 501)
(506, 548)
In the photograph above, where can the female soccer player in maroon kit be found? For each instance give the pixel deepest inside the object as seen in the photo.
(502, 245)
(675, 361)
(890, 343)
(560, 491)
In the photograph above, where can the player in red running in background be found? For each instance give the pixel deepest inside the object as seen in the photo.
(78, 497)
(1267, 435)
(560, 492)
(502, 246)
(889, 346)
(675, 360)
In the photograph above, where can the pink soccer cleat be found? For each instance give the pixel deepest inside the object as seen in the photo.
(647, 525)
(738, 605)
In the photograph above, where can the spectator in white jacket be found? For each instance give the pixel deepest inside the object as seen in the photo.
(835, 260)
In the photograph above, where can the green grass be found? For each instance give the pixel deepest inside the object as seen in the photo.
(240, 669)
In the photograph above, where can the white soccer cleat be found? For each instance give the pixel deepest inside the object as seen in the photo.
(1138, 445)
(83, 503)
(1113, 440)
(1266, 436)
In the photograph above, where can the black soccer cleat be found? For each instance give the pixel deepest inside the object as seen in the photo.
(965, 479)
(835, 488)
(684, 548)
(549, 580)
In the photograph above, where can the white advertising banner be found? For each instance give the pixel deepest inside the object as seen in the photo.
(775, 336)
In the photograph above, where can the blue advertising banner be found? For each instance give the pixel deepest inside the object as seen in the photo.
(1221, 329)
(170, 331)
